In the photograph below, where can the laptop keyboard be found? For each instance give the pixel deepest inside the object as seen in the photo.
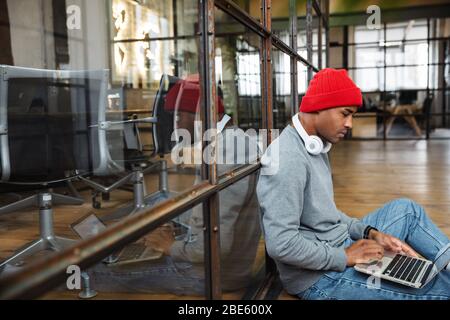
(404, 268)
(132, 252)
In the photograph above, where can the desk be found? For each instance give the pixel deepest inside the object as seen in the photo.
(130, 111)
(408, 112)
(364, 125)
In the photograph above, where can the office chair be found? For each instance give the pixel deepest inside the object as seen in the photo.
(46, 115)
(162, 126)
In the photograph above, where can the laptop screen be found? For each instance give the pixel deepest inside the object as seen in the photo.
(443, 258)
(88, 226)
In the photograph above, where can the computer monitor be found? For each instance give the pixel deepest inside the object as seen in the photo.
(50, 124)
(407, 97)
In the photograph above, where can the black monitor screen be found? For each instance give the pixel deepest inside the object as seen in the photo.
(50, 127)
(407, 97)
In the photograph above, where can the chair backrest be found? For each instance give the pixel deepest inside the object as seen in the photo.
(426, 107)
(49, 124)
(162, 131)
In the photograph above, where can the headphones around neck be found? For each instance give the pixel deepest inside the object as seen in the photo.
(314, 144)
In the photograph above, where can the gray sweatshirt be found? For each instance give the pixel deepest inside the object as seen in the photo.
(304, 231)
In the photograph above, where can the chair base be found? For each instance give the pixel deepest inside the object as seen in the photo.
(47, 239)
(133, 208)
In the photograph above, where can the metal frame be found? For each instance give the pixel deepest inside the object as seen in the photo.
(42, 276)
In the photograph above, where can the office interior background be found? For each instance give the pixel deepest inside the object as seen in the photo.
(86, 128)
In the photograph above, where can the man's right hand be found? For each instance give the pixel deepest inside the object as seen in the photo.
(363, 251)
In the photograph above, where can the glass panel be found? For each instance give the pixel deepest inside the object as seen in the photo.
(410, 30)
(281, 84)
(165, 264)
(409, 53)
(364, 35)
(406, 78)
(395, 31)
(121, 117)
(238, 75)
(368, 57)
(242, 246)
(370, 79)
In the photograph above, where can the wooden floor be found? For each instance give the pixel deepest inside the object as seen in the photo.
(366, 175)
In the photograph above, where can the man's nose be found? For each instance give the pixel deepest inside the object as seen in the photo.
(349, 123)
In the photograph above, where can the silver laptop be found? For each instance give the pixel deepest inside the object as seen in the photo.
(408, 271)
(91, 225)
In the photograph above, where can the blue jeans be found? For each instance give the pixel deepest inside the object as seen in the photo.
(159, 276)
(407, 221)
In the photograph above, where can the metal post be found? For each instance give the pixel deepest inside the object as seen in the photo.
(293, 44)
(46, 216)
(309, 36)
(266, 72)
(319, 40)
(210, 115)
(384, 86)
(327, 32)
(163, 177)
(427, 115)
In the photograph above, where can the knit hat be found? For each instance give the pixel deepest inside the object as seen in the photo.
(331, 88)
(189, 99)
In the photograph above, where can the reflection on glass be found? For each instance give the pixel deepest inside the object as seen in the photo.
(94, 104)
(242, 249)
(165, 264)
(238, 76)
(152, 19)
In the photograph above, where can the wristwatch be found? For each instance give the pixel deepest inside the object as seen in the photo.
(367, 231)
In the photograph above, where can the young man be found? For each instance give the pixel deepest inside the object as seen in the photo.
(313, 243)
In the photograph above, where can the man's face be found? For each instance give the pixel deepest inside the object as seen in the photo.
(333, 124)
(185, 120)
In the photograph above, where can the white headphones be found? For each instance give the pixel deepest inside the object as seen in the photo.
(314, 145)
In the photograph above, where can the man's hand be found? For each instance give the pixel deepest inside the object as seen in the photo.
(161, 239)
(363, 251)
(391, 243)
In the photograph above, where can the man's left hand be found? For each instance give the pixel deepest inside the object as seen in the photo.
(161, 239)
(391, 243)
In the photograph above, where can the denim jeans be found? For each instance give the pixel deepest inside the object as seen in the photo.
(407, 221)
(159, 276)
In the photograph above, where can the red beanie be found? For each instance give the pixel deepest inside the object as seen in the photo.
(331, 88)
(189, 99)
